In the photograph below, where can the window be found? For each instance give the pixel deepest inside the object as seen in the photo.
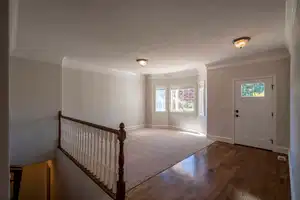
(201, 98)
(182, 100)
(160, 100)
(253, 89)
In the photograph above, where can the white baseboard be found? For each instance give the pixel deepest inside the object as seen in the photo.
(157, 126)
(281, 149)
(219, 138)
(132, 128)
(173, 128)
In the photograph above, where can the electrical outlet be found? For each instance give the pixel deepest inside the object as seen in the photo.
(281, 158)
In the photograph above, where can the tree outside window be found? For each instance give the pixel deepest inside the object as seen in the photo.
(182, 100)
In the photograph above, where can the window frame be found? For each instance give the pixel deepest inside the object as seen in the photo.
(182, 88)
(201, 98)
(255, 82)
(166, 97)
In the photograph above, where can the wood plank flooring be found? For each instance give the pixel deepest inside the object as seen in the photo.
(220, 172)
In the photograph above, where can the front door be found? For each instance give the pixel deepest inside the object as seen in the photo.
(254, 113)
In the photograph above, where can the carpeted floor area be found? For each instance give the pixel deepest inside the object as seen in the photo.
(150, 151)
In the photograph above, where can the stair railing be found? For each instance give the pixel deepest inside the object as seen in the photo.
(97, 150)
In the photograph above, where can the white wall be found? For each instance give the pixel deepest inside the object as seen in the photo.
(293, 26)
(185, 121)
(35, 99)
(220, 97)
(4, 101)
(70, 183)
(105, 98)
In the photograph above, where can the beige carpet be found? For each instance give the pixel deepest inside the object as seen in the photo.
(150, 151)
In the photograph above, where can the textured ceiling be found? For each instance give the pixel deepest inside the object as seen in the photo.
(172, 34)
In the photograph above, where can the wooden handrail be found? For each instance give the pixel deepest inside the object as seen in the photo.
(104, 128)
(121, 187)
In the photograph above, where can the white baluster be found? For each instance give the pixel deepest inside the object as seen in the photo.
(85, 146)
(110, 164)
(101, 156)
(89, 149)
(72, 139)
(95, 151)
(106, 171)
(77, 141)
(68, 138)
(74, 132)
(65, 135)
(98, 154)
(115, 172)
(81, 144)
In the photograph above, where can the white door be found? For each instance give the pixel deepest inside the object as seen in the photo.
(254, 113)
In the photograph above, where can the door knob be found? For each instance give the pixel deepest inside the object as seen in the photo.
(237, 116)
(237, 111)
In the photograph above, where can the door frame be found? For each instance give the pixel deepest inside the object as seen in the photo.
(274, 106)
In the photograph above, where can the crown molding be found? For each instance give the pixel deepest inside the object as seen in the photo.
(68, 63)
(176, 75)
(171, 77)
(246, 61)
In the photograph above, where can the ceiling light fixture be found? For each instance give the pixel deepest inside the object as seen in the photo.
(143, 62)
(241, 42)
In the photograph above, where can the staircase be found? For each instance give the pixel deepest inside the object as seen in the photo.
(97, 151)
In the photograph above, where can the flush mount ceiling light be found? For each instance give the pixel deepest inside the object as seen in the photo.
(143, 62)
(241, 42)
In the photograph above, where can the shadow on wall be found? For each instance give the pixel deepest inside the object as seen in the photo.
(35, 98)
(33, 141)
(69, 182)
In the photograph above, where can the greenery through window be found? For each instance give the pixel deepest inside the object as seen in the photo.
(253, 89)
(182, 100)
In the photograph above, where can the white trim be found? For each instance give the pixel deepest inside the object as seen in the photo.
(171, 77)
(201, 107)
(194, 72)
(182, 87)
(69, 63)
(157, 87)
(281, 149)
(157, 126)
(135, 127)
(246, 62)
(274, 96)
(220, 138)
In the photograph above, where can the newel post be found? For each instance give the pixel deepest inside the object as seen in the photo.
(121, 182)
(59, 129)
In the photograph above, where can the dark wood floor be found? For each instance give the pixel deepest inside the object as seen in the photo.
(220, 172)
